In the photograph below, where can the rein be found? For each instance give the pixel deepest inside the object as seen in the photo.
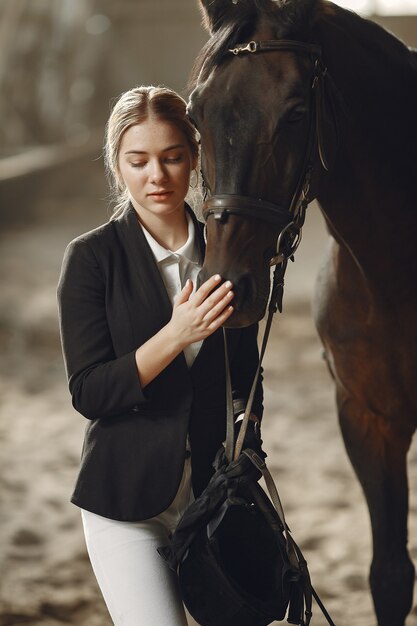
(290, 219)
(233, 451)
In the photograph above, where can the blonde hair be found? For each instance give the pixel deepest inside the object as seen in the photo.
(134, 107)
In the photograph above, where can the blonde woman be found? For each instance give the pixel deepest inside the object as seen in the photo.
(144, 357)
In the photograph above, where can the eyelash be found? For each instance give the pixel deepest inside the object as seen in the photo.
(169, 161)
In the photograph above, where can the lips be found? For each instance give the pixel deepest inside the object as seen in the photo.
(160, 194)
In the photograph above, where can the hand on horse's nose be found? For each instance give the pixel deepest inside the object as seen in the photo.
(244, 287)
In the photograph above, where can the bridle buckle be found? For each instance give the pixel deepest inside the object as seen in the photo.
(285, 251)
(252, 46)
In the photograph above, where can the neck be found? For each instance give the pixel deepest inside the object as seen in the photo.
(375, 74)
(368, 196)
(170, 231)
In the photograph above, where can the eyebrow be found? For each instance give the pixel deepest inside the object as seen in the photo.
(175, 146)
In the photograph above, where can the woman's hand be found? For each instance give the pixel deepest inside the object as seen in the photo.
(193, 319)
(196, 317)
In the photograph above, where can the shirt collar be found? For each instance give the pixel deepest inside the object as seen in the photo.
(189, 250)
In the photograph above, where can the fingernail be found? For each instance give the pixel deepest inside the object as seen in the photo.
(217, 277)
(228, 284)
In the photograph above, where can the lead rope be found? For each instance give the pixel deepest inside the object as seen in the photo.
(233, 451)
(275, 304)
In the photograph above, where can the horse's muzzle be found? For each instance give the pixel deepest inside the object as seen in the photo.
(248, 308)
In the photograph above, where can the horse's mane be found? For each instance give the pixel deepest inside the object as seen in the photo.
(369, 35)
(376, 75)
(231, 24)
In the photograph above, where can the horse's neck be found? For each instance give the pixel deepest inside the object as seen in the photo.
(371, 190)
(375, 73)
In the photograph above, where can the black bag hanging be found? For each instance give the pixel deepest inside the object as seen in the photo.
(236, 566)
(236, 560)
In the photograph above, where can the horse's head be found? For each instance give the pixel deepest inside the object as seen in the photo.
(255, 109)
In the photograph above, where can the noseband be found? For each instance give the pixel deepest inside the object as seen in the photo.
(289, 219)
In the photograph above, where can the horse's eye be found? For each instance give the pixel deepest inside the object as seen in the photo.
(296, 114)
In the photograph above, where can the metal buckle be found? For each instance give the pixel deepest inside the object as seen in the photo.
(252, 46)
(283, 254)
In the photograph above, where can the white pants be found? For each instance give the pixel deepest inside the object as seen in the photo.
(138, 587)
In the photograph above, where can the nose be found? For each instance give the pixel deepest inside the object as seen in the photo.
(158, 173)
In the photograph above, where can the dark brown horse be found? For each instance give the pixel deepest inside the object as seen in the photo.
(333, 117)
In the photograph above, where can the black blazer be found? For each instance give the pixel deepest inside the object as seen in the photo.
(111, 300)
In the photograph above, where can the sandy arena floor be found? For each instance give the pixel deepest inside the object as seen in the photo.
(46, 578)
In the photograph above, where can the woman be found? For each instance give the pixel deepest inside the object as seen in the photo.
(144, 357)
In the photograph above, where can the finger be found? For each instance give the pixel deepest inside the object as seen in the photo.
(215, 310)
(214, 298)
(220, 320)
(206, 288)
(185, 293)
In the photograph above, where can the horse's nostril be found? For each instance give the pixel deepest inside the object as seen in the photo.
(245, 291)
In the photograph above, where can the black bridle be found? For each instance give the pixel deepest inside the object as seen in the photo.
(289, 219)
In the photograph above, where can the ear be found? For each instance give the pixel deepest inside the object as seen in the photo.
(216, 12)
(210, 10)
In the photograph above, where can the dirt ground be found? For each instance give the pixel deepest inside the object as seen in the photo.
(46, 578)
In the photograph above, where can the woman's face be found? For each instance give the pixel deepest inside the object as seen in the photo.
(155, 163)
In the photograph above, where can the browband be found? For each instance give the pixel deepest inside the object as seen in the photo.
(276, 44)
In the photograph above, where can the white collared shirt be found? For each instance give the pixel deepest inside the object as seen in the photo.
(175, 269)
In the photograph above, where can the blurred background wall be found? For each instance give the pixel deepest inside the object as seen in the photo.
(62, 62)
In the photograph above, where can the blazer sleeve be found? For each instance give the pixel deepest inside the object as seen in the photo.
(243, 368)
(100, 383)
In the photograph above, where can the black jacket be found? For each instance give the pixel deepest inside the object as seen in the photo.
(111, 300)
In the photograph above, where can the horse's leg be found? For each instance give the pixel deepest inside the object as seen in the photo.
(376, 441)
(378, 455)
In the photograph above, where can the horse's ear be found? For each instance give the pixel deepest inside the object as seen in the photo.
(217, 12)
(211, 10)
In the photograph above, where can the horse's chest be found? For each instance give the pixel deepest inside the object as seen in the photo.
(371, 351)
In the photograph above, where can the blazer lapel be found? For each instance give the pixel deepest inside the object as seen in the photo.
(149, 295)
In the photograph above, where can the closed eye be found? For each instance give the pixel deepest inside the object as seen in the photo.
(295, 114)
(167, 160)
(177, 159)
